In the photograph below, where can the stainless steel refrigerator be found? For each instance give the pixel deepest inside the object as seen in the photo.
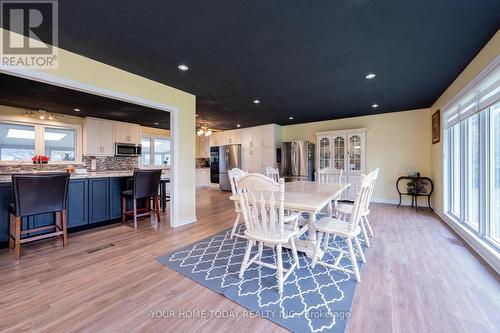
(297, 160)
(229, 158)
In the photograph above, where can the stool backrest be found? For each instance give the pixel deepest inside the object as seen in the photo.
(40, 193)
(146, 183)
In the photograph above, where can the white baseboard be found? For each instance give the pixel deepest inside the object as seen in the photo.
(482, 248)
(184, 221)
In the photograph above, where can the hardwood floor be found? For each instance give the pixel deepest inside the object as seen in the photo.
(108, 280)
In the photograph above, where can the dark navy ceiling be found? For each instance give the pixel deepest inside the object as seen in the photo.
(33, 95)
(305, 59)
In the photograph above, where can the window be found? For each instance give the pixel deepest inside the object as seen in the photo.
(17, 142)
(59, 144)
(155, 151)
(472, 158)
(20, 142)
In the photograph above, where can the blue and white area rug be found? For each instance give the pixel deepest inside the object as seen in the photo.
(313, 300)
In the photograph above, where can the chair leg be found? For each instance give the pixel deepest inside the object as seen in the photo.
(245, 258)
(365, 234)
(65, 228)
(368, 225)
(261, 249)
(360, 250)
(235, 225)
(124, 209)
(157, 208)
(327, 241)
(17, 245)
(316, 250)
(354, 262)
(12, 228)
(135, 213)
(294, 252)
(279, 265)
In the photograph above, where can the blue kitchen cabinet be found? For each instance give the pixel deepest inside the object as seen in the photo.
(78, 203)
(5, 199)
(99, 199)
(117, 186)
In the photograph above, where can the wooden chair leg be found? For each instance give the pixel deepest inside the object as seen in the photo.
(148, 203)
(56, 222)
(279, 264)
(12, 228)
(157, 208)
(17, 245)
(65, 228)
(124, 209)
(135, 213)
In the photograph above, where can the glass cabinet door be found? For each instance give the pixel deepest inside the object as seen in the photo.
(354, 153)
(339, 153)
(325, 153)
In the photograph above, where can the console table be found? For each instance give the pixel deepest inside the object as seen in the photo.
(415, 187)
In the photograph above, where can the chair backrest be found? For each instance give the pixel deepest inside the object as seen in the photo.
(374, 176)
(146, 183)
(40, 193)
(233, 175)
(262, 206)
(360, 201)
(330, 175)
(273, 173)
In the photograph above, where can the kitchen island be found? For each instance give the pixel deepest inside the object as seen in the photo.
(94, 199)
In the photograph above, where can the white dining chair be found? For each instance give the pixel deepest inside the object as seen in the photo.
(262, 207)
(348, 230)
(272, 173)
(345, 209)
(330, 175)
(233, 174)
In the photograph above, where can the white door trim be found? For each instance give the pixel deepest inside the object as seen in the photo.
(95, 90)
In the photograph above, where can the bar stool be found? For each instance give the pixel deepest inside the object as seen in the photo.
(164, 197)
(145, 186)
(34, 195)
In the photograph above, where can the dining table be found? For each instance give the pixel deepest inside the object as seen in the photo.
(309, 197)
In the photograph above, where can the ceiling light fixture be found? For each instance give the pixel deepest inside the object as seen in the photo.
(183, 67)
(238, 125)
(157, 124)
(76, 109)
(370, 76)
(256, 101)
(374, 106)
(41, 114)
(204, 130)
(291, 118)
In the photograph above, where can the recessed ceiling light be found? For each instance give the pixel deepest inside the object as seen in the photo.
(256, 101)
(291, 118)
(76, 109)
(374, 105)
(238, 125)
(370, 76)
(157, 124)
(183, 67)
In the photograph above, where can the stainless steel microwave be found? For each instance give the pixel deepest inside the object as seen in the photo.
(128, 149)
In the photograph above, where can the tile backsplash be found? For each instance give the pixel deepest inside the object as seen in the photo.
(103, 164)
(112, 163)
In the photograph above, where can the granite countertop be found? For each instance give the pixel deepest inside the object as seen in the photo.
(7, 178)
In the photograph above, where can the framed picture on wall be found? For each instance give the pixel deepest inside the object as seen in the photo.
(436, 127)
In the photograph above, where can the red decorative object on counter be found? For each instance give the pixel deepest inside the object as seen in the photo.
(40, 159)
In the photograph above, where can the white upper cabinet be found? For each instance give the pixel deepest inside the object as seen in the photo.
(127, 133)
(98, 137)
(343, 149)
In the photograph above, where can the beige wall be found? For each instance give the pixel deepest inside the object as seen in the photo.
(395, 142)
(93, 73)
(483, 59)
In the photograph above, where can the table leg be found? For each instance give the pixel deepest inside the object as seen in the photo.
(308, 245)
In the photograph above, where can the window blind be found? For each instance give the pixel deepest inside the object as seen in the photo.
(476, 98)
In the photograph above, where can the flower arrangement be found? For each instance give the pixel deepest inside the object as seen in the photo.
(39, 159)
